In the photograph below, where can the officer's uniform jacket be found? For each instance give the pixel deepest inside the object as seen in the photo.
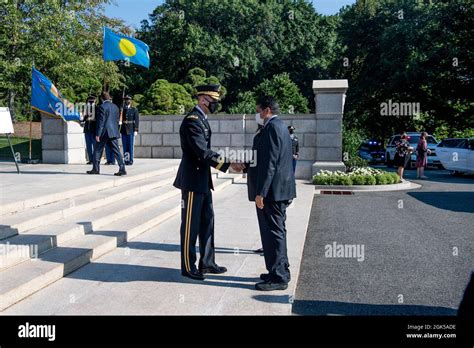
(130, 120)
(194, 173)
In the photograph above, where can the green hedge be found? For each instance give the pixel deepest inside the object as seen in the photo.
(377, 178)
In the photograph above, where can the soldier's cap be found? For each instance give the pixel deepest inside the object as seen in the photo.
(210, 90)
(91, 97)
(291, 128)
(127, 97)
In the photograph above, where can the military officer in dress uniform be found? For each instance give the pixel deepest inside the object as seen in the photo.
(294, 145)
(89, 124)
(194, 180)
(129, 129)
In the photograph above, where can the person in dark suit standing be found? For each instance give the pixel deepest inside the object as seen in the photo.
(107, 133)
(275, 188)
(195, 182)
(89, 124)
(129, 129)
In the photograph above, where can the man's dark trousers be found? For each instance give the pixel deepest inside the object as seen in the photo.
(197, 215)
(271, 220)
(114, 147)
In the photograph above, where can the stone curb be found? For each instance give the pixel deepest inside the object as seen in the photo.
(406, 185)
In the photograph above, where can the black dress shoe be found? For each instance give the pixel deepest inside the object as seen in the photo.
(120, 173)
(194, 274)
(109, 164)
(92, 172)
(265, 277)
(214, 270)
(258, 251)
(89, 162)
(270, 286)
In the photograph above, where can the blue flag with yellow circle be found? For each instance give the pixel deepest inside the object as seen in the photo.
(121, 47)
(46, 98)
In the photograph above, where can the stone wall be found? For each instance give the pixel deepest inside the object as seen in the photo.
(320, 134)
(159, 137)
(62, 142)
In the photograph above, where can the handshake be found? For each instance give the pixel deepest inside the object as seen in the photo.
(237, 167)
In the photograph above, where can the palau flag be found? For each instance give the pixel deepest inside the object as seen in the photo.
(121, 47)
(46, 98)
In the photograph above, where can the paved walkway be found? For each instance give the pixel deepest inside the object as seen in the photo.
(409, 238)
(143, 277)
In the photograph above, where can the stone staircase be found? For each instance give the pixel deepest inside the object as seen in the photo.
(44, 239)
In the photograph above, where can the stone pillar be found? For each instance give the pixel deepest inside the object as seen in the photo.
(62, 142)
(329, 96)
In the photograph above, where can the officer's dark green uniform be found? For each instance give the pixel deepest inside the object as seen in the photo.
(194, 180)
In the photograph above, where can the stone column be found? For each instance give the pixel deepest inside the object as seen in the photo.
(329, 96)
(62, 142)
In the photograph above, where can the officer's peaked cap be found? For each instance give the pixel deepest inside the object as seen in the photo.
(210, 90)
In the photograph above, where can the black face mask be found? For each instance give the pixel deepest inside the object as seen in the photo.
(213, 106)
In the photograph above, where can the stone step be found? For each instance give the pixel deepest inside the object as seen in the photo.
(32, 275)
(15, 223)
(22, 205)
(41, 239)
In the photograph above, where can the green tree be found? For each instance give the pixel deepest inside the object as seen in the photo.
(63, 39)
(239, 42)
(165, 98)
(285, 91)
(407, 51)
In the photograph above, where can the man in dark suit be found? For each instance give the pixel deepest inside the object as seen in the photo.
(107, 133)
(129, 129)
(275, 188)
(194, 180)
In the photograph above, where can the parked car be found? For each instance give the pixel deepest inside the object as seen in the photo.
(457, 154)
(413, 139)
(372, 151)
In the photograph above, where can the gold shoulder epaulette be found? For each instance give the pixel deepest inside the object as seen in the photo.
(193, 117)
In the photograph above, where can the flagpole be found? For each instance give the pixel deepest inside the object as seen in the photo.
(30, 160)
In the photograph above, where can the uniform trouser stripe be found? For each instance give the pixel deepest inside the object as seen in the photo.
(189, 212)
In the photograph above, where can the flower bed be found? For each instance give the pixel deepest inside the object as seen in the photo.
(357, 176)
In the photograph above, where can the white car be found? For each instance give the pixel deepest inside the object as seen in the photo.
(413, 139)
(457, 154)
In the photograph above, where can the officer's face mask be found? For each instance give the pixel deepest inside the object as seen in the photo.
(258, 119)
(212, 106)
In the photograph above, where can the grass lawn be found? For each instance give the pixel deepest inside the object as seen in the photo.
(20, 145)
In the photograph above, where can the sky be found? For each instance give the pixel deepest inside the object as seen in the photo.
(134, 11)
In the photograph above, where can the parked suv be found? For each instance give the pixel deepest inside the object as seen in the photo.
(413, 139)
(457, 154)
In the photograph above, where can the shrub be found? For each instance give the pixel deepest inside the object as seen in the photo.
(358, 179)
(345, 180)
(370, 180)
(382, 179)
(358, 176)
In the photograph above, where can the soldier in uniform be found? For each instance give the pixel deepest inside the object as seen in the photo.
(90, 127)
(194, 180)
(295, 146)
(129, 129)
